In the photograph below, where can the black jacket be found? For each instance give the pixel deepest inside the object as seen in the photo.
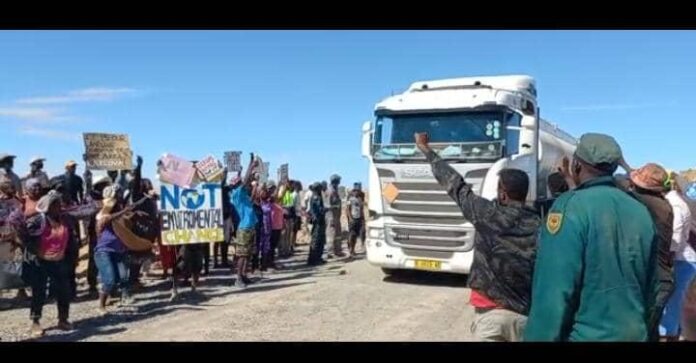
(504, 245)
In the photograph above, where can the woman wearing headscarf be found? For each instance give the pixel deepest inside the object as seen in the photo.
(49, 236)
(110, 253)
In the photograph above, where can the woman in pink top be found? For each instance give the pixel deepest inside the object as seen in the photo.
(50, 233)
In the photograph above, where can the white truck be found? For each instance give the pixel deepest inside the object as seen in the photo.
(478, 124)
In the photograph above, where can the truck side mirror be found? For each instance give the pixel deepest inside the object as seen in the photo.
(367, 139)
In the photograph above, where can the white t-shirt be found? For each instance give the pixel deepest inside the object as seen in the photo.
(681, 228)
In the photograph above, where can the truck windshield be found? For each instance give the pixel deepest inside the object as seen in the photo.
(466, 136)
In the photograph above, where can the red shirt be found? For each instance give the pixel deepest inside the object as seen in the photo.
(479, 300)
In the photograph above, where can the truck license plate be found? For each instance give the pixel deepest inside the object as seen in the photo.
(428, 265)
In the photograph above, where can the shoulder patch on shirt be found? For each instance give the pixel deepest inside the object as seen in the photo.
(553, 222)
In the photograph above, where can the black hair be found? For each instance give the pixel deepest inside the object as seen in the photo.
(515, 182)
(606, 168)
(557, 184)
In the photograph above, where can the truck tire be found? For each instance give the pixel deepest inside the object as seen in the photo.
(390, 271)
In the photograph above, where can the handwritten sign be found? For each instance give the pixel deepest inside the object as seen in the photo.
(264, 168)
(191, 215)
(175, 170)
(209, 169)
(233, 161)
(108, 151)
(283, 173)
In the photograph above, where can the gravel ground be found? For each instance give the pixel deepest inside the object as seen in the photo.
(340, 301)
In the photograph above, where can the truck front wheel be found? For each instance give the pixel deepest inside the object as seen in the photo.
(390, 271)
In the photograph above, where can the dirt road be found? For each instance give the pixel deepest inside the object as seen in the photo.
(340, 301)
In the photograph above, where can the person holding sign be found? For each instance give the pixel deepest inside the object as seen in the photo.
(110, 253)
(245, 241)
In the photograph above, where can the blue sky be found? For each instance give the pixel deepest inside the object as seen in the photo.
(301, 96)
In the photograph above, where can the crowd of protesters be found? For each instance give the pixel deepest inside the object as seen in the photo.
(45, 221)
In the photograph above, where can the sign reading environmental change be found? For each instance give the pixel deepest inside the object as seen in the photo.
(191, 215)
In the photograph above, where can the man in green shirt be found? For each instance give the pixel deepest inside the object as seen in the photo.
(595, 274)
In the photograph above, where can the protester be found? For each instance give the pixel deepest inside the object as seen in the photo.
(287, 200)
(647, 184)
(49, 234)
(222, 249)
(557, 186)
(296, 199)
(94, 193)
(355, 213)
(266, 222)
(33, 193)
(138, 188)
(6, 165)
(317, 217)
(257, 256)
(684, 262)
(277, 224)
(190, 262)
(595, 275)
(688, 322)
(111, 254)
(244, 243)
(504, 246)
(168, 260)
(11, 236)
(36, 172)
(335, 230)
(74, 185)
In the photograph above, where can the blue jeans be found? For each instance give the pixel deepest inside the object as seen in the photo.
(671, 320)
(113, 271)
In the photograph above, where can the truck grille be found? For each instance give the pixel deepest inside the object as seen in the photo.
(424, 199)
(430, 237)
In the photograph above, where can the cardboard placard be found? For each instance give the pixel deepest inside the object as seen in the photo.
(283, 173)
(107, 151)
(175, 170)
(233, 161)
(209, 169)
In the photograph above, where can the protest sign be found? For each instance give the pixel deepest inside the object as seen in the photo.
(264, 168)
(107, 151)
(175, 170)
(209, 169)
(191, 215)
(233, 161)
(283, 173)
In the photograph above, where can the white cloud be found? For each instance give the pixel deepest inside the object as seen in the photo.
(83, 95)
(35, 114)
(51, 134)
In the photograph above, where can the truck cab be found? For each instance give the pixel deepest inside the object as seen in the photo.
(479, 125)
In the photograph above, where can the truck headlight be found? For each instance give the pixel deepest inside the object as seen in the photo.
(377, 233)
